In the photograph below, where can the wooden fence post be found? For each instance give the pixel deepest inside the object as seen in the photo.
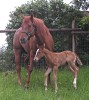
(73, 36)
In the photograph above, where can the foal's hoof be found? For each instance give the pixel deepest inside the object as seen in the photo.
(55, 92)
(46, 89)
(75, 87)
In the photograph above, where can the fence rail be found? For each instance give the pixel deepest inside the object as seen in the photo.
(50, 29)
(7, 30)
(73, 30)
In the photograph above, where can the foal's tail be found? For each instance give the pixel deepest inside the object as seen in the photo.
(78, 60)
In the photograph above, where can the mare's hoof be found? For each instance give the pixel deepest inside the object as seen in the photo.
(26, 86)
(56, 91)
(19, 82)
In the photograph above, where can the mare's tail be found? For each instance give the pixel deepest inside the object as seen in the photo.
(78, 60)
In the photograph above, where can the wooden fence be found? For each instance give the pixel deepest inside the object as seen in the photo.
(74, 31)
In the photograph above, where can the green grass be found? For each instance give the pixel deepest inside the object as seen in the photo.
(10, 90)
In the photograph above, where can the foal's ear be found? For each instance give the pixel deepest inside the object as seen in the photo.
(44, 45)
(40, 46)
(37, 45)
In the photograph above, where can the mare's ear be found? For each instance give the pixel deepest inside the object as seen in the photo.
(32, 16)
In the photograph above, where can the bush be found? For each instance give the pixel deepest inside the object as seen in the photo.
(84, 23)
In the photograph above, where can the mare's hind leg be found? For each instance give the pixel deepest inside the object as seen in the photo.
(74, 69)
(17, 53)
(46, 77)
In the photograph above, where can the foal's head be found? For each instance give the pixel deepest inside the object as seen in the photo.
(39, 53)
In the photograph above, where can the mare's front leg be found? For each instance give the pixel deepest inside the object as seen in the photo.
(17, 53)
(46, 77)
(30, 68)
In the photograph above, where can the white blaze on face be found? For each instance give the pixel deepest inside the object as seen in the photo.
(36, 58)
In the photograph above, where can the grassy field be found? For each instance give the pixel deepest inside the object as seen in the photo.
(10, 90)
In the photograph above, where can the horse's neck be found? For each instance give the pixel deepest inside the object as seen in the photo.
(41, 34)
(47, 54)
(40, 39)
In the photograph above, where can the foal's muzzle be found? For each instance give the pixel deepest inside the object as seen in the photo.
(36, 59)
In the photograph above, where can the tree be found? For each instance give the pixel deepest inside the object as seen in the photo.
(81, 4)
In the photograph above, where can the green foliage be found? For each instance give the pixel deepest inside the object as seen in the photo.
(84, 23)
(6, 61)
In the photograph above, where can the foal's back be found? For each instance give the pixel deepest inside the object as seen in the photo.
(63, 57)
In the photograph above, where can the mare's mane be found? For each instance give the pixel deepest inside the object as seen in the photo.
(42, 31)
(41, 26)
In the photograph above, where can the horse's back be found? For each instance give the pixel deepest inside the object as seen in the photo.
(70, 56)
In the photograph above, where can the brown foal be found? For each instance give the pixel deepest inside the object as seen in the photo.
(57, 59)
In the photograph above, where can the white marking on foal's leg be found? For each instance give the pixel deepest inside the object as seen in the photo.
(45, 83)
(74, 83)
(46, 77)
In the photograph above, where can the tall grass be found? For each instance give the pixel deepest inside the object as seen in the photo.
(10, 90)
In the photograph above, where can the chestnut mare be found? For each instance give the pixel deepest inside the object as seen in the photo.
(56, 60)
(32, 31)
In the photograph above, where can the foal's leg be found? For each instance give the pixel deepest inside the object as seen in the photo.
(17, 53)
(46, 77)
(74, 69)
(55, 78)
(75, 77)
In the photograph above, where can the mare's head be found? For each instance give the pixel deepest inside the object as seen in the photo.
(28, 26)
(39, 53)
(35, 26)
